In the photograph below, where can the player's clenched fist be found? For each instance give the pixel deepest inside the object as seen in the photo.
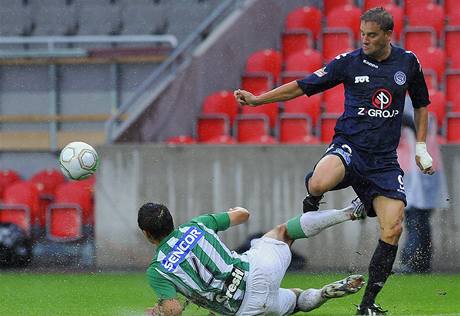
(244, 97)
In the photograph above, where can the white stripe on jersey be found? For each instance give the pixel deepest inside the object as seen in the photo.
(181, 289)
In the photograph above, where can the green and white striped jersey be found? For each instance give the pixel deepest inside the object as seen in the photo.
(193, 260)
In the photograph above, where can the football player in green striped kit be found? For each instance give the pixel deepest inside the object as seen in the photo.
(193, 261)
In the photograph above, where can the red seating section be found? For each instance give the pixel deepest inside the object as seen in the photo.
(369, 4)
(304, 19)
(7, 177)
(347, 16)
(267, 60)
(296, 129)
(221, 102)
(253, 129)
(210, 126)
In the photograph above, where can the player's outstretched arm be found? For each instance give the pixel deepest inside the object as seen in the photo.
(422, 157)
(238, 215)
(285, 92)
(171, 307)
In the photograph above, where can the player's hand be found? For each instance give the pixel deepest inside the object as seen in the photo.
(244, 97)
(154, 311)
(423, 159)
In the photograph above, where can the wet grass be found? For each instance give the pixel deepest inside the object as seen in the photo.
(129, 294)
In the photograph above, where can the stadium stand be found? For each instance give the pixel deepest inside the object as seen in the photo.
(211, 126)
(304, 19)
(330, 5)
(180, 139)
(7, 177)
(336, 41)
(296, 129)
(305, 105)
(270, 110)
(346, 17)
(221, 102)
(253, 129)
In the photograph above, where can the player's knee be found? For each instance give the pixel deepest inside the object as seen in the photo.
(317, 186)
(392, 233)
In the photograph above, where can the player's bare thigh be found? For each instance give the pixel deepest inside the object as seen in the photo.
(390, 213)
(329, 172)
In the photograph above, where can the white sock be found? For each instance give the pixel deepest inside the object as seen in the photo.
(314, 222)
(310, 299)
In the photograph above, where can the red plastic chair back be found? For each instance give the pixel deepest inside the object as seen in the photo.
(410, 5)
(221, 102)
(398, 19)
(181, 139)
(252, 129)
(433, 58)
(335, 43)
(308, 60)
(438, 106)
(271, 110)
(327, 127)
(334, 100)
(64, 222)
(305, 105)
(75, 193)
(296, 129)
(257, 82)
(267, 60)
(430, 15)
(212, 125)
(21, 205)
(452, 38)
(7, 177)
(347, 16)
(369, 4)
(305, 18)
(293, 42)
(330, 5)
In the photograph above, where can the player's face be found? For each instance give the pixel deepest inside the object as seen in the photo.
(375, 41)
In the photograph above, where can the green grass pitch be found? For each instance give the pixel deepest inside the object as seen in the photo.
(129, 293)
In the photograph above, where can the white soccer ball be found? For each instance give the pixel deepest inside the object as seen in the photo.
(78, 160)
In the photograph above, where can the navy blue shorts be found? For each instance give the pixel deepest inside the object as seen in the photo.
(369, 175)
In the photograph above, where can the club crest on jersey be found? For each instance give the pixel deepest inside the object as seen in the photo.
(400, 78)
(181, 248)
(320, 72)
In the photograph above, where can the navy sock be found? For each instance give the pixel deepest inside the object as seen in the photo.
(379, 271)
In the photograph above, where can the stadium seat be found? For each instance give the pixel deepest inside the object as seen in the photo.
(305, 105)
(327, 127)
(431, 78)
(267, 60)
(347, 17)
(398, 20)
(369, 4)
(295, 41)
(453, 18)
(454, 104)
(296, 129)
(330, 5)
(210, 126)
(222, 140)
(253, 129)
(308, 60)
(452, 82)
(335, 42)
(221, 102)
(429, 15)
(438, 106)
(257, 82)
(64, 222)
(288, 76)
(7, 177)
(453, 128)
(55, 20)
(451, 40)
(334, 99)
(271, 110)
(20, 205)
(46, 182)
(143, 20)
(16, 21)
(410, 5)
(434, 59)
(180, 139)
(307, 19)
(450, 6)
(99, 20)
(418, 38)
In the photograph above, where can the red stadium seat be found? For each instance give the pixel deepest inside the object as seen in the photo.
(181, 139)
(296, 129)
(71, 195)
(450, 6)
(398, 20)
(452, 82)
(210, 126)
(434, 59)
(336, 42)
(454, 105)
(257, 82)
(438, 106)
(46, 182)
(330, 5)
(308, 60)
(222, 139)
(334, 100)
(429, 15)
(295, 41)
(7, 177)
(347, 17)
(64, 222)
(305, 105)
(453, 18)
(288, 76)
(453, 128)
(431, 79)
(452, 38)
(253, 129)
(304, 19)
(327, 127)
(267, 60)
(410, 5)
(369, 4)
(20, 205)
(418, 38)
(271, 110)
(221, 102)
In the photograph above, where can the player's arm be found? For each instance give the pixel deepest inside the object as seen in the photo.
(422, 157)
(238, 215)
(285, 92)
(170, 307)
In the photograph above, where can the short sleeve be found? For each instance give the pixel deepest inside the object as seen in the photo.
(216, 222)
(417, 89)
(164, 289)
(324, 78)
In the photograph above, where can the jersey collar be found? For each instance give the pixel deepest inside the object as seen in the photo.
(364, 56)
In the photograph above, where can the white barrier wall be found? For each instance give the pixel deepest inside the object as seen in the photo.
(192, 180)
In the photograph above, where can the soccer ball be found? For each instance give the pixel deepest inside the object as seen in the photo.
(78, 160)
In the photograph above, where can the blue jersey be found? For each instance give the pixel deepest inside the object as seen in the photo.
(374, 96)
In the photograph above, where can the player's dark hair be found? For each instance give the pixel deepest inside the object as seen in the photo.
(155, 219)
(380, 16)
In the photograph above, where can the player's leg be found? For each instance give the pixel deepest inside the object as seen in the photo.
(311, 223)
(390, 213)
(313, 298)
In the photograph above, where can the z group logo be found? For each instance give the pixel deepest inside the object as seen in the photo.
(381, 99)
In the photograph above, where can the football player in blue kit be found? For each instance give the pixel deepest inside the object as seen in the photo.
(363, 151)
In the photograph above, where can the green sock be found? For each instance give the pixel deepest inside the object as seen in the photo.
(294, 229)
